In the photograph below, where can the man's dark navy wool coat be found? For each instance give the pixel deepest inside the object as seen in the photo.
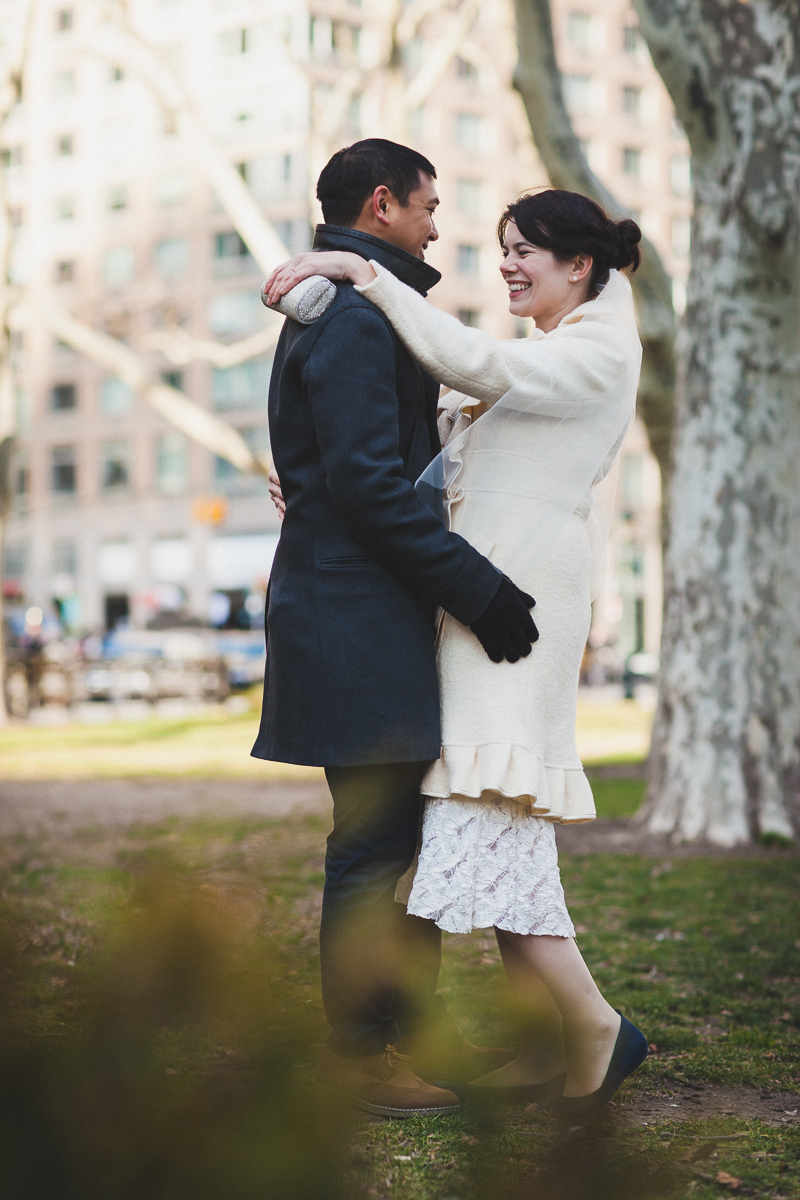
(362, 562)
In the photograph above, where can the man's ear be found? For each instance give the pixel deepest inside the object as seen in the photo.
(380, 204)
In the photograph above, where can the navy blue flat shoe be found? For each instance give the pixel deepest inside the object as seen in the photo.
(494, 1097)
(630, 1051)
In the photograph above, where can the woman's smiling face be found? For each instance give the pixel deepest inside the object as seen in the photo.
(539, 284)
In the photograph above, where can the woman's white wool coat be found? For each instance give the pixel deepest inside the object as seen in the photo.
(508, 729)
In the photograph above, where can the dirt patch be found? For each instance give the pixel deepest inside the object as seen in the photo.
(699, 1101)
(40, 807)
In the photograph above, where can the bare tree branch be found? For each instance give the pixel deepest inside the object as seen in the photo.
(181, 348)
(118, 43)
(173, 405)
(538, 80)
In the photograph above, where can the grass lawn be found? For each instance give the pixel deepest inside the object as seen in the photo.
(217, 745)
(700, 952)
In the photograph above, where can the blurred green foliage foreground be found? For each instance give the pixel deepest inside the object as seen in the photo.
(161, 1019)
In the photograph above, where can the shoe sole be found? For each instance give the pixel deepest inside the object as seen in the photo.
(385, 1110)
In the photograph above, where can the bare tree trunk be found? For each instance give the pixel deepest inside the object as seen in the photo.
(726, 755)
(538, 80)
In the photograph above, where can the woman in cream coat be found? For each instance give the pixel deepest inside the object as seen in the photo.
(521, 484)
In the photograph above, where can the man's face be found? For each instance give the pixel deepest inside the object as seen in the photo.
(410, 226)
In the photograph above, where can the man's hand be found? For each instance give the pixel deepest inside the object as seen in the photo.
(505, 629)
(276, 493)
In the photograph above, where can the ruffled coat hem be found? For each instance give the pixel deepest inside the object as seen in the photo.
(558, 793)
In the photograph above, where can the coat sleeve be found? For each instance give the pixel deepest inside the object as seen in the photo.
(349, 378)
(467, 360)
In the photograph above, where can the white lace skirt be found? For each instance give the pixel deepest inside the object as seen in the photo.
(488, 862)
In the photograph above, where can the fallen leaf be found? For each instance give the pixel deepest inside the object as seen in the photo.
(652, 1047)
(728, 1180)
(471, 1141)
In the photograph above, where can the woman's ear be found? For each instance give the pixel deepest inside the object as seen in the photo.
(580, 267)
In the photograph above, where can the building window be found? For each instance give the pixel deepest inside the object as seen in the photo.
(321, 30)
(632, 162)
(63, 397)
(469, 316)
(579, 30)
(466, 69)
(231, 254)
(65, 20)
(285, 231)
(64, 271)
(353, 116)
(118, 265)
(230, 245)
(632, 101)
(118, 198)
(468, 197)
(631, 39)
(15, 560)
(63, 83)
(116, 75)
(681, 237)
(16, 216)
(469, 131)
(115, 465)
(578, 93)
(12, 156)
(468, 260)
(65, 145)
(172, 189)
(229, 479)
(234, 314)
(22, 476)
(244, 386)
(64, 470)
(65, 208)
(172, 257)
(65, 557)
(235, 41)
(116, 398)
(680, 173)
(172, 464)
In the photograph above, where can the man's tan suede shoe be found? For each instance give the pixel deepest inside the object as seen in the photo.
(442, 1052)
(383, 1084)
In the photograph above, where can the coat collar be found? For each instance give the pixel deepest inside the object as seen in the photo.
(614, 293)
(417, 274)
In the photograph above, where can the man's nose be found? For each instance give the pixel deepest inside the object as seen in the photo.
(434, 234)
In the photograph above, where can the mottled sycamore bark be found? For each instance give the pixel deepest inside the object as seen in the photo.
(538, 81)
(726, 755)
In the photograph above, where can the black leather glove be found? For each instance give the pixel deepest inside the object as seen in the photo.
(505, 629)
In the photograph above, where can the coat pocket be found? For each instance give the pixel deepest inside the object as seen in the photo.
(348, 562)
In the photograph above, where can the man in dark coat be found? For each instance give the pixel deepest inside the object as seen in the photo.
(361, 567)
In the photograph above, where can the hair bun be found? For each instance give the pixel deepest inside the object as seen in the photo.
(627, 236)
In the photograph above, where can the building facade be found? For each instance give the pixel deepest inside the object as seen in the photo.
(116, 515)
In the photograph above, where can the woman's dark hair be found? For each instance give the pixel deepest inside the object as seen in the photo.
(570, 224)
(351, 176)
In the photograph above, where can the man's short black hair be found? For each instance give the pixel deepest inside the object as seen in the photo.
(351, 176)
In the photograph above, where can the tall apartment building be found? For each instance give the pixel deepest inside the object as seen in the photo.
(116, 223)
